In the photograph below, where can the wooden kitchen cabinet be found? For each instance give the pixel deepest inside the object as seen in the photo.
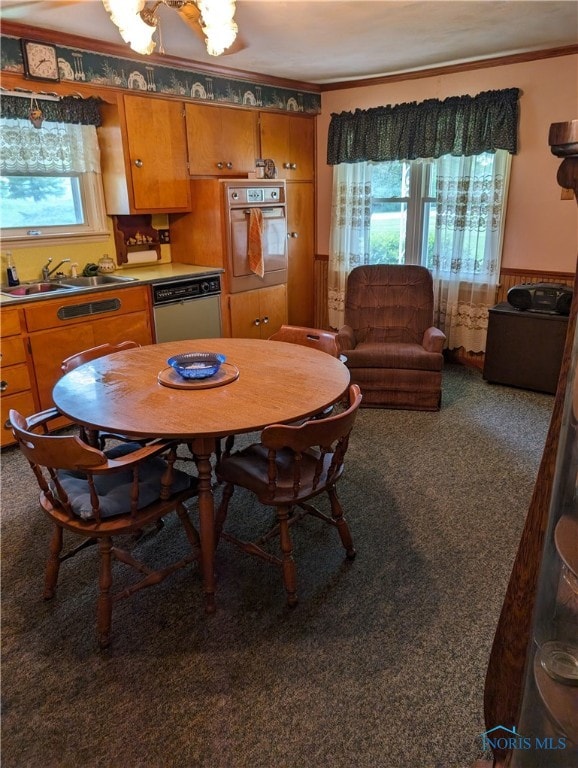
(61, 327)
(290, 142)
(143, 145)
(221, 141)
(258, 314)
(300, 253)
(16, 386)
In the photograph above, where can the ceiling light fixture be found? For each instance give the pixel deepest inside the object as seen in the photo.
(138, 22)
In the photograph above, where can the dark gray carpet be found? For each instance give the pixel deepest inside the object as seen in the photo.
(382, 663)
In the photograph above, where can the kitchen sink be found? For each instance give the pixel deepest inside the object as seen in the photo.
(88, 282)
(63, 284)
(30, 289)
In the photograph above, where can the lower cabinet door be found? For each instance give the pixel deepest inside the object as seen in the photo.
(258, 314)
(23, 402)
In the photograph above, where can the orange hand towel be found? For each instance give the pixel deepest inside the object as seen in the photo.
(255, 248)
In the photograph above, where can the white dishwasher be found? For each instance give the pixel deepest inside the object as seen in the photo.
(187, 309)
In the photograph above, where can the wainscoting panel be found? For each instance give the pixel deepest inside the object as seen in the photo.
(511, 277)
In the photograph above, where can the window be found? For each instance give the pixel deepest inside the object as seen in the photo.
(406, 199)
(402, 212)
(50, 183)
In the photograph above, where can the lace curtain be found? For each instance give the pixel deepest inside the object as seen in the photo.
(471, 197)
(471, 194)
(54, 148)
(349, 237)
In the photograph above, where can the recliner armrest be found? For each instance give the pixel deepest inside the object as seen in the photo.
(346, 338)
(433, 340)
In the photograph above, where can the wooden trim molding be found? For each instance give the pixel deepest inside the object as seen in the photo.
(450, 69)
(539, 273)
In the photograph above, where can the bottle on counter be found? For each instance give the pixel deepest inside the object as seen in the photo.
(11, 273)
(106, 264)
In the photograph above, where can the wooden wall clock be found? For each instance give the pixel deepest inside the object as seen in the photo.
(40, 61)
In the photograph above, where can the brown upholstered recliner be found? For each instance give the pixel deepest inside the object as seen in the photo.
(393, 351)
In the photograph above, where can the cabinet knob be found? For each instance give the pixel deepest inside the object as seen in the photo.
(265, 320)
(286, 166)
(293, 166)
(294, 234)
(229, 165)
(3, 385)
(256, 321)
(138, 163)
(220, 165)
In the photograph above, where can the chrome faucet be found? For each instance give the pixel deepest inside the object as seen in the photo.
(46, 272)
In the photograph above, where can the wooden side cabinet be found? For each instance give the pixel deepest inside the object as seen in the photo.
(524, 349)
(290, 142)
(300, 252)
(58, 328)
(15, 386)
(221, 141)
(143, 146)
(258, 314)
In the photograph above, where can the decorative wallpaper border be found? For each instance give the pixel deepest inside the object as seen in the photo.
(76, 65)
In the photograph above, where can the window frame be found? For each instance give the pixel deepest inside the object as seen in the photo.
(420, 171)
(93, 229)
(83, 164)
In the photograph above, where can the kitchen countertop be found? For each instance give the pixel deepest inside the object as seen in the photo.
(144, 275)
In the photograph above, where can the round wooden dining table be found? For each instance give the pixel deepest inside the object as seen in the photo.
(133, 392)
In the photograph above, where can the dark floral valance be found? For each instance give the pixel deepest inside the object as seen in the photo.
(68, 109)
(458, 125)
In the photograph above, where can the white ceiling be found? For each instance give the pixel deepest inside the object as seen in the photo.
(325, 41)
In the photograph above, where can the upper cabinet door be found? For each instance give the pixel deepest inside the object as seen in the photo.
(290, 142)
(157, 155)
(221, 141)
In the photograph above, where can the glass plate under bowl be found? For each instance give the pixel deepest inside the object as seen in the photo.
(196, 365)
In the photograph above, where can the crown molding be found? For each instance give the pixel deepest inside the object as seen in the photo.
(449, 69)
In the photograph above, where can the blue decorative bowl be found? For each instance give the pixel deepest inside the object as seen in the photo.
(196, 365)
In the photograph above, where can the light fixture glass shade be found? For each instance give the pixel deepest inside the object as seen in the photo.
(133, 29)
(137, 23)
(218, 25)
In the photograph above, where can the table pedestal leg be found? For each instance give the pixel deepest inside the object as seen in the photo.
(202, 450)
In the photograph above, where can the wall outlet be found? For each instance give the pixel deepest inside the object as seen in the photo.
(164, 236)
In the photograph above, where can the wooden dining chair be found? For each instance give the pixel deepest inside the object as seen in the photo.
(290, 466)
(314, 338)
(99, 496)
(90, 436)
(92, 353)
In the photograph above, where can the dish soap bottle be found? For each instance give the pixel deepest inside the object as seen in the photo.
(11, 273)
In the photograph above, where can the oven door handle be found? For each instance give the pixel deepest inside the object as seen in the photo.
(265, 210)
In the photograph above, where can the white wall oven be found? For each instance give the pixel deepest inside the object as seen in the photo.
(241, 197)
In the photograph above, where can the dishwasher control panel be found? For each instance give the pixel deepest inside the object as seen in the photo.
(185, 290)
